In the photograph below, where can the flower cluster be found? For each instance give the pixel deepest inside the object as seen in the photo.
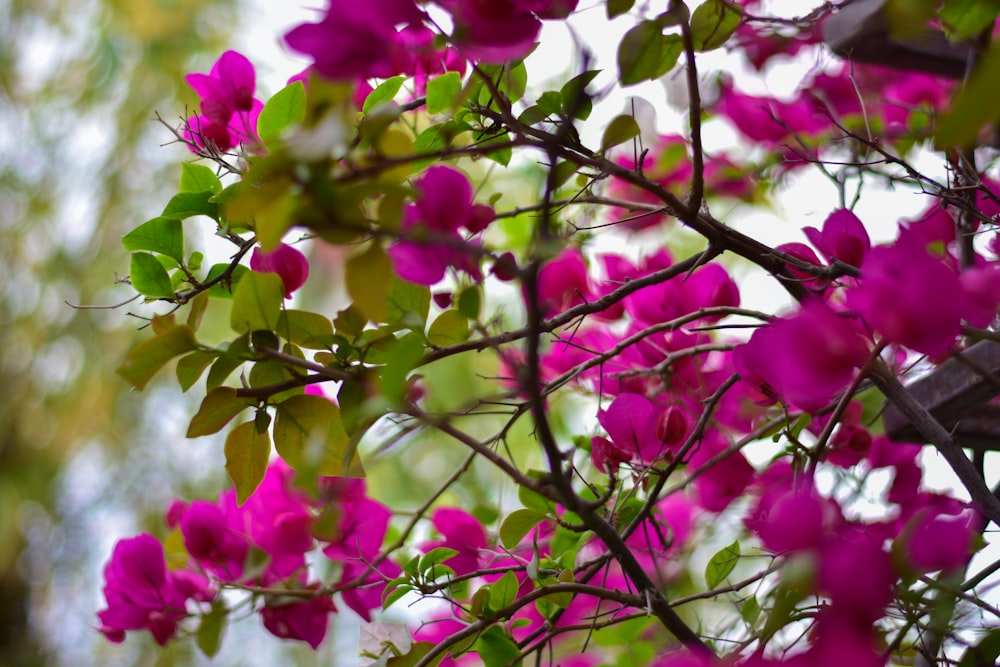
(261, 545)
(229, 109)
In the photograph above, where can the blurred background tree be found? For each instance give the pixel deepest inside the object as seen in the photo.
(79, 162)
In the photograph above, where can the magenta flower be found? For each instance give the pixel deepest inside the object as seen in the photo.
(462, 532)
(228, 108)
(142, 595)
(723, 481)
(354, 39)
(493, 31)
(806, 254)
(444, 206)
(562, 282)
(361, 529)
(796, 519)
(806, 358)
(632, 423)
(766, 120)
(935, 541)
(843, 238)
(367, 595)
(856, 573)
(910, 297)
(306, 621)
(210, 539)
(981, 290)
(286, 261)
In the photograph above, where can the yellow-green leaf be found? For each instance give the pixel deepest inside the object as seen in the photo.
(368, 276)
(309, 435)
(449, 328)
(191, 366)
(161, 235)
(149, 278)
(619, 130)
(310, 330)
(199, 178)
(217, 409)
(247, 454)
(516, 526)
(257, 302)
(285, 109)
(975, 105)
(145, 359)
(713, 23)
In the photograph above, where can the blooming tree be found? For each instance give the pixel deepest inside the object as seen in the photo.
(388, 145)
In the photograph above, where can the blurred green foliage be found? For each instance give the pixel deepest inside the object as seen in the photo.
(79, 162)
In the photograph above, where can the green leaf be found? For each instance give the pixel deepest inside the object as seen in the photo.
(977, 104)
(309, 435)
(619, 130)
(191, 366)
(497, 649)
(449, 328)
(750, 611)
(149, 278)
(535, 501)
(645, 53)
(184, 205)
(435, 557)
(199, 178)
(257, 302)
(217, 409)
(575, 100)
(399, 361)
(145, 359)
(618, 7)
(964, 19)
(224, 289)
(470, 302)
(721, 564)
(161, 235)
(368, 277)
(517, 525)
(404, 298)
(210, 630)
(307, 329)
(270, 373)
(500, 155)
(398, 593)
(416, 653)
(285, 109)
(443, 91)
(503, 591)
(384, 92)
(247, 454)
(713, 23)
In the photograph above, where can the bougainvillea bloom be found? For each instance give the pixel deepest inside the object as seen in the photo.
(355, 39)
(806, 358)
(141, 594)
(934, 541)
(286, 261)
(228, 108)
(305, 621)
(462, 532)
(843, 238)
(562, 282)
(909, 297)
(631, 420)
(493, 31)
(444, 206)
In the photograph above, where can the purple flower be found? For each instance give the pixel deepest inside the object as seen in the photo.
(444, 206)
(355, 39)
(286, 261)
(306, 621)
(843, 238)
(142, 595)
(463, 533)
(228, 108)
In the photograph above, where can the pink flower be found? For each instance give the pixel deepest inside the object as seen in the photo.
(796, 519)
(843, 238)
(631, 420)
(856, 573)
(444, 206)
(306, 620)
(355, 39)
(981, 290)
(463, 533)
(723, 481)
(562, 282)
(806, 358)
(935, 541)
(142, 594)
(493, 31)
(766, 120)
(286, 261)
(210, 539)
(910, 297)
(228, 108)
